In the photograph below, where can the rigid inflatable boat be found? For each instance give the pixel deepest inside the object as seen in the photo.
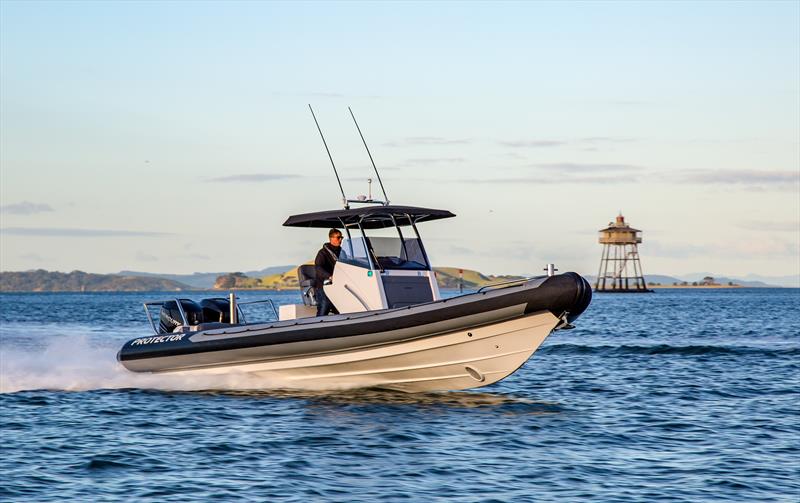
(394, 329)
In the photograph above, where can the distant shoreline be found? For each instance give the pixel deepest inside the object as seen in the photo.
(448, 279)
(708, 287)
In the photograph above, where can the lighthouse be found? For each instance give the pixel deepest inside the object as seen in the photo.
(620, 267)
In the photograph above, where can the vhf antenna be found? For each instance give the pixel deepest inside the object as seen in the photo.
(344, 198)
(385, 197)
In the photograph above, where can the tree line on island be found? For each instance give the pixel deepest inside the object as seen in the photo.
(79, 281)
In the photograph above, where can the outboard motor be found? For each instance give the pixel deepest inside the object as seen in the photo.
(170, 317)
(216, 310)
(307, 275)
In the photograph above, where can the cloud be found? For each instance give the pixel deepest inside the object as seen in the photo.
(144, 257)
(606, 139)
(749, 177)
(427, 140)
(460, 250)
(194, 256)
(253, 178)
(327, 95)
(571, 167)
(77, 233)
(25, 208)
(587, 173)
(761, 248)
(32, 257)
(427, 161)
(599, 180)
(657, 248)
(533, 143)
(771, 226)
(589, 142)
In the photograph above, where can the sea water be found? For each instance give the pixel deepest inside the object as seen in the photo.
(679, 395)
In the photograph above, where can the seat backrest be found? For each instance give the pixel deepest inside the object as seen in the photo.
(306, 275)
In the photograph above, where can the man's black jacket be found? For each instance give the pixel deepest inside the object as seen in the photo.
(326, 259)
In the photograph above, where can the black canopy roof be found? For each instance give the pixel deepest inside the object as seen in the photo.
(370, 217)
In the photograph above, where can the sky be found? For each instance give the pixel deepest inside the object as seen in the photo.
(175, 136)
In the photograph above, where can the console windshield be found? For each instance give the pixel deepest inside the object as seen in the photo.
(385, 252)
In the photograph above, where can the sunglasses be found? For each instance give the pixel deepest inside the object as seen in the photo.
(337, 237)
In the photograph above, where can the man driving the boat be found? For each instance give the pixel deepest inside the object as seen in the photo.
(326, 259)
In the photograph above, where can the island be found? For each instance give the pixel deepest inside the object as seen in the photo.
(78, 281)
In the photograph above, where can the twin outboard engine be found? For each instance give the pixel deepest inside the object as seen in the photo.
(170, 317)
(216, 310)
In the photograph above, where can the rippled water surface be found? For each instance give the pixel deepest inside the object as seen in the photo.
(681, 395)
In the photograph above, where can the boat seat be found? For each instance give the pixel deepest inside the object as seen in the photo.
(306, 276)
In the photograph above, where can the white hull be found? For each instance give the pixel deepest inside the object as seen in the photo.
(452, 361)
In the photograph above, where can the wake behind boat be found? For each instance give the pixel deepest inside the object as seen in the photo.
(395, 330)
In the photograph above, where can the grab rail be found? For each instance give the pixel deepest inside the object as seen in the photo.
(185, 323)
(177, 301)
(510, 282)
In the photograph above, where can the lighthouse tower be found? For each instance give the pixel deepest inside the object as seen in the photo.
(620, 267)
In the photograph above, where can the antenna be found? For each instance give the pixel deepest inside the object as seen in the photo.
(385, 197)
(344, 198)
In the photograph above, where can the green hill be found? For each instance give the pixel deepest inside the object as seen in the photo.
(286, 280)
(79, 281)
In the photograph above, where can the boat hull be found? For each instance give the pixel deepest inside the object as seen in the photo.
(454, 361)
(452, 344)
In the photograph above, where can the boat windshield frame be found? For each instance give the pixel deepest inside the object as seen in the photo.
(372, 260)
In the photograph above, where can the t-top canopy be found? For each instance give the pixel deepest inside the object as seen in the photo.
(370, 217)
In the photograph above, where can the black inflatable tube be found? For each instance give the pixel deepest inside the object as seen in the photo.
(568, 292)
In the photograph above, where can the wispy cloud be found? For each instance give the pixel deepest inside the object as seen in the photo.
(533, 143)
(768, 226)
(25, 208)
(763, 248)
(77, 233)
(32, 257)
(195, 256)
(460, 250)
(747, 179)
(572, 167)
(427, 161)
(554, 173)
(327, 95)
(145, 257)
(586, 142)
(750, 177)
(427, 140)
(552, 180)
(253, 178)
(674, 250)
